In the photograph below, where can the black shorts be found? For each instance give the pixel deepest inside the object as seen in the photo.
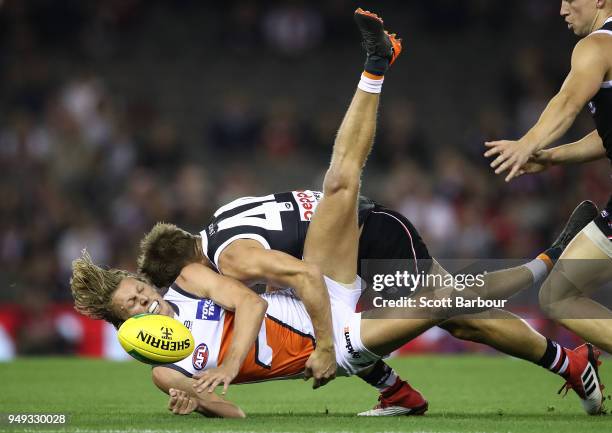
(604, 220)
(389, 235)
(389, 243)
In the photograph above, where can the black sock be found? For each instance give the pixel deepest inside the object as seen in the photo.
(376, 65)
(554, 253)
(555, 358)
(381, 377)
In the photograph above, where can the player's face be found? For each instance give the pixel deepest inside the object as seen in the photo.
(579, 15)
(134, 297)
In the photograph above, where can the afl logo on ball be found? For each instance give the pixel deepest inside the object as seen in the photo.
(200, 356)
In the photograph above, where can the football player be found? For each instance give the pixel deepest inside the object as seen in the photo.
(565, 295)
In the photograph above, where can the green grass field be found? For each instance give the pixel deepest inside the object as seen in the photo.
(465, 393)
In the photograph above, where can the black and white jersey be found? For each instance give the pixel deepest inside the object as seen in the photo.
(601, 104)
(277, 221)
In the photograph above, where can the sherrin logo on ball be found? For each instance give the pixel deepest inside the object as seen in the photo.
(155, 339)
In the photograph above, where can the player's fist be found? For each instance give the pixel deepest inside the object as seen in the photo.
(180, 403)
(321, 366)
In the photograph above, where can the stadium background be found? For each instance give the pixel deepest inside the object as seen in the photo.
(117, 114)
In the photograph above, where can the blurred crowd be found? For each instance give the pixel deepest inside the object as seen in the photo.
(116, 114)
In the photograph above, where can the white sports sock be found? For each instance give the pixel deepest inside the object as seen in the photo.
(370, 83)
(539, 270)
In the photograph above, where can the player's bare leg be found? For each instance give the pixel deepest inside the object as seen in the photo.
(385, 331)
(500, 330)
(564, 294)
(333, 235)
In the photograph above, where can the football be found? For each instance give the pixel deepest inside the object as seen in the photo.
(155, 339)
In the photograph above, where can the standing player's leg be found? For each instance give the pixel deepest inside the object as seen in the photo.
(584, 267)
(581, 270)
(332, 239)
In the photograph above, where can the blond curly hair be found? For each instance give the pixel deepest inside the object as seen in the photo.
(93, 288)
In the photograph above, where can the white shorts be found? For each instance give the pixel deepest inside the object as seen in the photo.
(351, 355)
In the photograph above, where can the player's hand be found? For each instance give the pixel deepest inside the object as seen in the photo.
(537, 163)
(180, 403)
(209, 379)
(321, 366)
(511, 155)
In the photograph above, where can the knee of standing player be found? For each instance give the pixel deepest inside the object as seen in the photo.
(554, 295)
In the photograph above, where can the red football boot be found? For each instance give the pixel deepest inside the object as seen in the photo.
(399, 399)
(583, 378)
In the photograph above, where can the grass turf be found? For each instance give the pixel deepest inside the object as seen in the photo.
(465, 393)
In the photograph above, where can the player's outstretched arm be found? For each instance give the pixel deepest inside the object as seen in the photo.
(184, 400)
(247, 260)
(587, 149)
(582, 83)
(232, 295)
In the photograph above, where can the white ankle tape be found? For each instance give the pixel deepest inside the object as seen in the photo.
(369, 85)
(538, 269)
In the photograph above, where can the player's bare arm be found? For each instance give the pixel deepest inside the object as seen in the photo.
(184, 399)
(247, 260)
(587, 149)
(589, 69)
(232, 295)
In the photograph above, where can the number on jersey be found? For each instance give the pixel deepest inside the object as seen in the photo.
(267, 215)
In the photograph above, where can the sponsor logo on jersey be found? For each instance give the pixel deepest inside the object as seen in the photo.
(208, 310)
(200, 356)
(592, 107)
(188, 324)
(307, 203)
(212, 229)
(159, 343)
(349, 346)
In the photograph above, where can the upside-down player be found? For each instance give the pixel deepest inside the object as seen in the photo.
(261, 239)
(285, 340)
